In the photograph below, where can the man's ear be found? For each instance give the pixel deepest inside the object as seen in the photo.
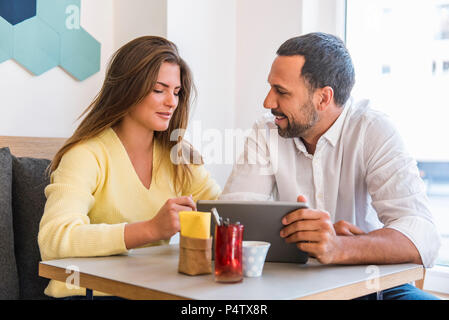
(326, 94)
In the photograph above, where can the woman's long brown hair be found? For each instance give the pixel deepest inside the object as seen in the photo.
(130, 77)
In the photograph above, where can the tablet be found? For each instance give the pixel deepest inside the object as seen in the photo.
(262, 221)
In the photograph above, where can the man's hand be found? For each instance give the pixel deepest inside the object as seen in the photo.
(344, 228)
(313, 232)
(343, 242)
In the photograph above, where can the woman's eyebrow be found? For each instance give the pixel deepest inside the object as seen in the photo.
(166, 85)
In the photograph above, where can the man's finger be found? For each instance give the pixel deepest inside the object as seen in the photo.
(309, 247)
(302, 225)
(302, 214)
(301, 198)
(311, 236)
(355, 230)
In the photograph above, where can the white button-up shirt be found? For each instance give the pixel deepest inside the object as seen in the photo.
(360, 172)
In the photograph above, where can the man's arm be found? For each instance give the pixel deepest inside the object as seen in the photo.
(382, 246)
(397, 192)
(344, 243)
(252, 177)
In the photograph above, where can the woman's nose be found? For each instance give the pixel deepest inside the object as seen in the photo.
(171, 100)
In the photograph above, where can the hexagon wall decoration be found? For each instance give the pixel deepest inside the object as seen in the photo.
(36, 46)
(6, 42)
(15, 11)
(79, 54)
(42, 34)
(60, 14)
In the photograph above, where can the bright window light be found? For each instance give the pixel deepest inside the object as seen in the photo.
(400, 50)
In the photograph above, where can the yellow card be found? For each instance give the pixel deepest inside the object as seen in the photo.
(195, 224)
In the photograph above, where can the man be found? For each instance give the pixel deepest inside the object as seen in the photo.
(345, 159)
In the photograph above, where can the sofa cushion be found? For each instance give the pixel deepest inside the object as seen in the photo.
(29, 182)
(9, 284)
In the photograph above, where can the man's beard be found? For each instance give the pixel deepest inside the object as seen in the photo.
(295, 129)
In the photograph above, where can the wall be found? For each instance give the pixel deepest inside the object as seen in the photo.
(229, 44)
(260, 33)
(205, 32)
(136, 18)
(324, 16)
(48, 105)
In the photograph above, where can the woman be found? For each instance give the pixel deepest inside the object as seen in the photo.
(111, 180)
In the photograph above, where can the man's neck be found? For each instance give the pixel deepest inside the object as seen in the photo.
(311, 137)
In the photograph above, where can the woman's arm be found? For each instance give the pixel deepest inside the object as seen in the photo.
(65, 229)
(163, 226)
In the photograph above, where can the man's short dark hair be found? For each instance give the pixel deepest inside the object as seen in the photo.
(327, 63)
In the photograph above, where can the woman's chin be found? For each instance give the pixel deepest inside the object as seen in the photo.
(161, 126)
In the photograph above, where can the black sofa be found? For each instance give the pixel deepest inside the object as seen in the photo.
(22, 202)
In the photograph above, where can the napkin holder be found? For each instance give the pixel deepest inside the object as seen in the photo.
(195, 255)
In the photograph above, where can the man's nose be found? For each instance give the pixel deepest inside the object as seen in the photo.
(270, 101)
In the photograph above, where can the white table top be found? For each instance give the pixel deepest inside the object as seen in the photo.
(156, 268)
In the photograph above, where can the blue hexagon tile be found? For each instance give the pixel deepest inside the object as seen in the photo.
(42, 34)
(16, 11)
(62, 15)
(6, 40)
(36, 45)
(80, 53)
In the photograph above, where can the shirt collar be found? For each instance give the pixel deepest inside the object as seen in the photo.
(334, 132)
(300, 145)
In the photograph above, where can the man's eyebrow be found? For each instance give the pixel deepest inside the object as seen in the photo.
(166, 85)
(277, 86)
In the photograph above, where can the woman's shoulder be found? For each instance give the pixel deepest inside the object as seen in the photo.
(91, 149)
(184, 153)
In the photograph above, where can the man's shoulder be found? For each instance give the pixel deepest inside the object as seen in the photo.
(363, 114)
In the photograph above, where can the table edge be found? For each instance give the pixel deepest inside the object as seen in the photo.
(363, 288)
(108, 286)
(131, 291)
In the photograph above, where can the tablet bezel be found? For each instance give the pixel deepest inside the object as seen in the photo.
(270, 214)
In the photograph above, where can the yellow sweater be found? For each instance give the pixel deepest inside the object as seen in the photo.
(94, 192)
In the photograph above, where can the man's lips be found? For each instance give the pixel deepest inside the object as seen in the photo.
(279, 117)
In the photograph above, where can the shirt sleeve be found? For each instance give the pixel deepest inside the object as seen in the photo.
(65, 229)
(252, 177)
(396, 189)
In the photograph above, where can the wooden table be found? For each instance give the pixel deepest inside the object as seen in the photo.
(151, 273)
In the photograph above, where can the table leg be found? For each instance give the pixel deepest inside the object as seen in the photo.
(379, 295)
(89, 294)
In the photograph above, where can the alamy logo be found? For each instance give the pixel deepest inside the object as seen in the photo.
(255, 148)
(73, 17)
(372, 282)
(73, 280)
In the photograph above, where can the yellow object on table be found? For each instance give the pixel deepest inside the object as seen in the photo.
(195, 224)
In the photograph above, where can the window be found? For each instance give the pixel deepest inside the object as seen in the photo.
(400, 50)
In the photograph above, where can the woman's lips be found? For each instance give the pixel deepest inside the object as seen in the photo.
(164, 115)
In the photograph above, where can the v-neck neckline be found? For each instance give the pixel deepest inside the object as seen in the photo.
(130, 164)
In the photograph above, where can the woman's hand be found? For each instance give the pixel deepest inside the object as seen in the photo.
(164, 225)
